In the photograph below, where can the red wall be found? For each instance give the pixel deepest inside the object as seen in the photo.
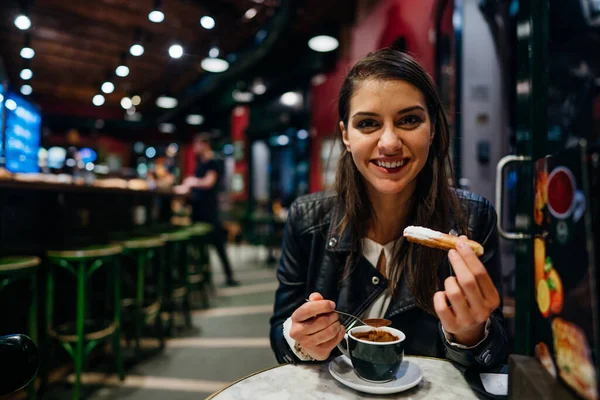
(412, 19)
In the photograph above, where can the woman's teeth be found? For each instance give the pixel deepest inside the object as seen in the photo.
(394, 164)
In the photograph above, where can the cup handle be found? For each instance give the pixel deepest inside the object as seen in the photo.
(579, 206)
(343, 346)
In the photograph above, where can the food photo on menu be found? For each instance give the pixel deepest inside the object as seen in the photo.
(564, 272)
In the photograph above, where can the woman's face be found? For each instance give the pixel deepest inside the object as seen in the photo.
(389, 134)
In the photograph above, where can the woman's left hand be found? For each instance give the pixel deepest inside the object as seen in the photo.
(471, 294)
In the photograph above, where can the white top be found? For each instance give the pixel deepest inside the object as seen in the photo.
(371, 251)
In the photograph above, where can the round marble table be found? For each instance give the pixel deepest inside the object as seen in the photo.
(441, 381)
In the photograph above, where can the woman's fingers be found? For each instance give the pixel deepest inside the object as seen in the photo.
(443, 311)
(477, 269)
(313, 309)
(319, 323)
(457, 298)
(323, 336)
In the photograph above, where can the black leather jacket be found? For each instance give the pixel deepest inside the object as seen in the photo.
(312, 260)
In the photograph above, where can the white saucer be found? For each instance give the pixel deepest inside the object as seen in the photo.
(409, 375)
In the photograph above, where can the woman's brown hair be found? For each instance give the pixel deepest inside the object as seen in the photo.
(435, 204)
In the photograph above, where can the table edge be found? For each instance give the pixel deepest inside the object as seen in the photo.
(215, 394)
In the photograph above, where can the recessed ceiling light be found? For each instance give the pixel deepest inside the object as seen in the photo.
(150, 152)
(291, 99)
(26, 90)
(98, 100)
(318, 79)
(136, 50)
(302, 134)
(27, 53)
(251, 13)
(166, 102)
(242, 97)
(136, 100)
(166, 127)
(207, 22)
(323, 43)
(126, 103)
(194, 119)
(122, 71)
(23, 22)
(176, 51)
(26, 74)
(214, 52)
(108, 87)
(214, 65)
(11, 104)
(259, 86)
(156, 16)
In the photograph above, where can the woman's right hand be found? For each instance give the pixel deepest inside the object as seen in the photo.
(316, 327)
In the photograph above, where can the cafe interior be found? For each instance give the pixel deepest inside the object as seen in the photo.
(111, 288)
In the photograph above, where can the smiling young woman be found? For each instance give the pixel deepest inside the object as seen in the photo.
(345, 248)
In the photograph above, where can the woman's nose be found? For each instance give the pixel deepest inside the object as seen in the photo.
(389, 141)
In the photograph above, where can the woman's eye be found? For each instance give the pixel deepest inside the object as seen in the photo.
(410, 120)
(367, 124)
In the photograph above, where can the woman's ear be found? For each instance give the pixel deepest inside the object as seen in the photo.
(345, 135)
(431, 136)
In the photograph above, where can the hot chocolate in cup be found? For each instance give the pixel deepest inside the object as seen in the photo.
(376, 353)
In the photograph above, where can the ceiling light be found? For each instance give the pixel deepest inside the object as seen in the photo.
(156, 16)
(126, 103)
(318, 79)
(150, 152)
(166, 102)
(207, 22)
(259, 87)
(214, 52)
(176, 51)
(108, 87)
(242, 97)
(11, 104)
(302, 134)
(26, 74)
(259, 1)
(23, 22)
(26, 90)
(136, 100)
(122, 71)
(27, 53)
(214, 65)
(98, 100)
(251, 13)
(194, 119)
(136, 50)
(283, 140)
(130, 111)
(166, 127)
(323, 43)
(291, 99)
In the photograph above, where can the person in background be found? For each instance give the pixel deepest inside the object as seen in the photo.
(344, 249)
(204, 187)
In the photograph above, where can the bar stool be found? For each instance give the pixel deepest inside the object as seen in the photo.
(83, 263)
(199, 234)
(143, 251)
(16, 268)
(177, 279)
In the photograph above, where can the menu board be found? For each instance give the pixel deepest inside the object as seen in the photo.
(565, 275)
(22, 134)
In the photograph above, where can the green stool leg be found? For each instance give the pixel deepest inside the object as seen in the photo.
(117, 334)
(81, 305)
(33, 327)
(139, 317)
(187, 308)
(170, 250)
(49, 324)
(160, 263)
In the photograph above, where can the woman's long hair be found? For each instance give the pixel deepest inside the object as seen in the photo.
(435, 205)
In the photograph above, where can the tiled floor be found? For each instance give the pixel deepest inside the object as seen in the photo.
(230, 341)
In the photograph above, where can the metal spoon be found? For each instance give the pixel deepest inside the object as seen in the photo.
(374, 322)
